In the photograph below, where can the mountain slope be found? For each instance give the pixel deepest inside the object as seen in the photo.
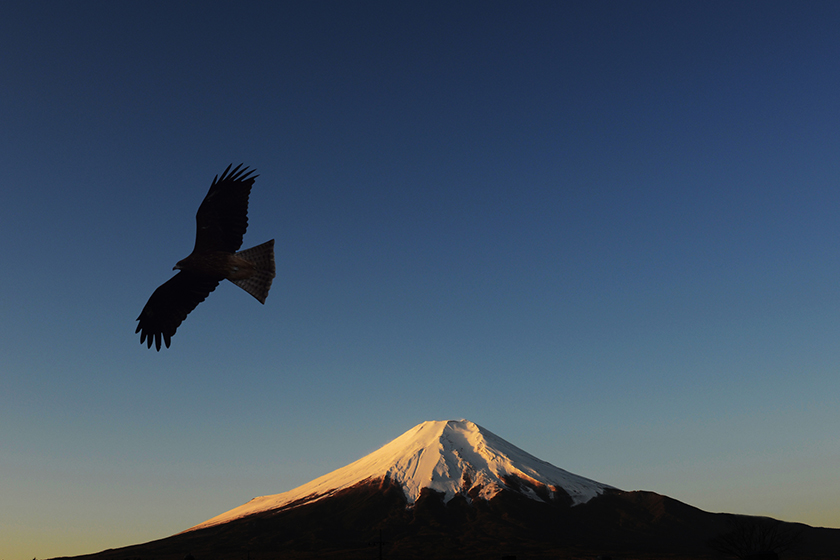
(349, 524)
(455, 457)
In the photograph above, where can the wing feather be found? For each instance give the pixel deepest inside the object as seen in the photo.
(222, 218)
(170, 304)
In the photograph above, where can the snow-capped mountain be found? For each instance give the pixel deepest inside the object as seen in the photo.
(455, 457)
(454, 490)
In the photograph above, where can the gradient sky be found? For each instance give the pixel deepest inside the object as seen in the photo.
(607, 232)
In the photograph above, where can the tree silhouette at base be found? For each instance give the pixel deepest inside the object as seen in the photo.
(757, 538)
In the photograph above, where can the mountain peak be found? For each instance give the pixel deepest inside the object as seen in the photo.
(453, 457)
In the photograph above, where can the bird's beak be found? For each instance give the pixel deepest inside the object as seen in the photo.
(176, 267)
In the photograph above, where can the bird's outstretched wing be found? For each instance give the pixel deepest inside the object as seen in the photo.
(170, 304)
(222, 218)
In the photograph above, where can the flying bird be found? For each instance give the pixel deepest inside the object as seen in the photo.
(221, 222)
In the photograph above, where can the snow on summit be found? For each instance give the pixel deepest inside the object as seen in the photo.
(451, 457)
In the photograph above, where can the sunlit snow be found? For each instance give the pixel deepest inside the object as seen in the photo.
(451, 457)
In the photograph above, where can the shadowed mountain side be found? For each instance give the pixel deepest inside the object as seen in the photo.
(348, 524)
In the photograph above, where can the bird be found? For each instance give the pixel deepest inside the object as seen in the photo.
(221, 221)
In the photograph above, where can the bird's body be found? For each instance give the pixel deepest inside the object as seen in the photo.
(221, 222)
(228, 266)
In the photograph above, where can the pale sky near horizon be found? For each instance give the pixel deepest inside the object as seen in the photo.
(605, 231)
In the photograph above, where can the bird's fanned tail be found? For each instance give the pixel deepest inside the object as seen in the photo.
(258, 284)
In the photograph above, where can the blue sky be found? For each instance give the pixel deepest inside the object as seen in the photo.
(607, 232)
